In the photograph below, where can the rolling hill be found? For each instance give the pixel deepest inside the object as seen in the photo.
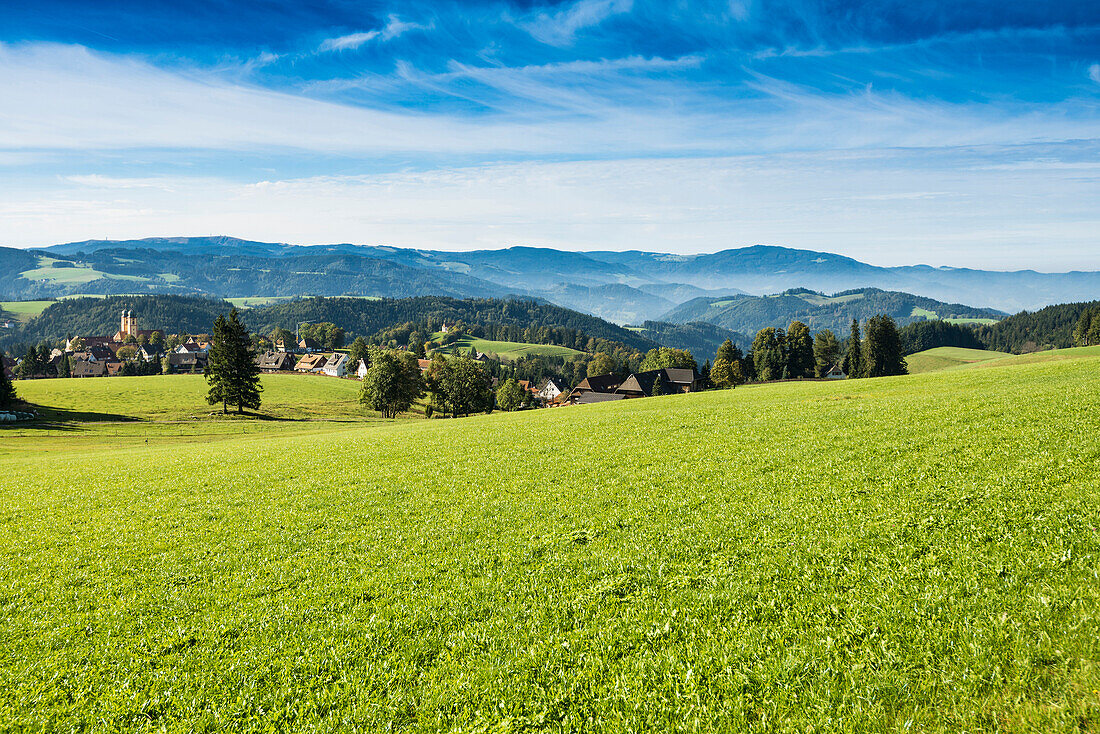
(623, 287)
(749, 314)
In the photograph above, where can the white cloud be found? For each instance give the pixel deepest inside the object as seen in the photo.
(560, 28)
(96, 101)
(348, 42)
(1094, 73)
(394, 27)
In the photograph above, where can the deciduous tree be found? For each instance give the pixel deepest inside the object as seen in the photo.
(800, 351)
(511, 395)
(826, 352)
(392, 384)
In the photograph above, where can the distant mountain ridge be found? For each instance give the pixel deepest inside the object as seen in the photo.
(749, 314)
(626, 287)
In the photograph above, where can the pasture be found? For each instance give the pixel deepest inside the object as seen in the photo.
(941, 358)
(901, 554)
(507, 350)
(23, 310)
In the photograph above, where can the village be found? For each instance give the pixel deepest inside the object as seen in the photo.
(131, 351)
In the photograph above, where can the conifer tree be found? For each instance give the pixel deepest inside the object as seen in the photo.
(231, 369)
(853, 360)
(883, 355)
(7, 390)
(64, 369)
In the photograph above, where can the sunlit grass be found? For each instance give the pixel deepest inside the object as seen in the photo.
(902, 554)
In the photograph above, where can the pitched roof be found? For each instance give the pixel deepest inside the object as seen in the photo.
(599, 383)
(642, 382)
(682, 376)
(274, 361)
(88, 369)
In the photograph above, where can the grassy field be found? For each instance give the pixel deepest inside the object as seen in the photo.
(85, 415)
(256, 301)
(972, 322)
(941, 358)
(903, 554)
(23, 310)
(508, 350)
(46, 270)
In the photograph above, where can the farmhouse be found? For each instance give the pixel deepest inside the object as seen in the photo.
(665, 381)
(336, 365)
(835, 373)
(550, 389)
(311, 363)
(85, 368)
(597, 384)
(187, 362)
(309, 346)
(274, 361)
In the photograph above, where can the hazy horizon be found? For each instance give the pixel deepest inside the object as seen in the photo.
(961, 135)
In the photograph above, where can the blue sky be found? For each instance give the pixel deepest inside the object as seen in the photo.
(960, 133)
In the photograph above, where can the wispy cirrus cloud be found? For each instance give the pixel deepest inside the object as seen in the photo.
(394, 27)
(560, 28)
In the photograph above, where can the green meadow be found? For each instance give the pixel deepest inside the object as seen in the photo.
(23, 310)
(916, 553)
(507, 350)
(941, 358)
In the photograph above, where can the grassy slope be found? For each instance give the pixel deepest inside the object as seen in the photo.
(509, 350)
(78, 274)
(120, 412)
(23, 310)
(914, 553)
(940, 358)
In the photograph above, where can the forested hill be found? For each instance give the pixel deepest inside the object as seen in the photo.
(749, 314)
(100, 316)
(357, 316)
(364, 317)
(1048, 328)
(699, 338)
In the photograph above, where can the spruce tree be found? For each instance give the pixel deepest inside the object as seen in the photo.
(883, 348)
(64, 369)
(7, 390)
(853, 360)
(231, 370)
(826, 352)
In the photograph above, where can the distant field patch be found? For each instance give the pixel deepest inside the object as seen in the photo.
(941, 358)
(971, 321)
(919, 312)
(257, 301)
(24, 310)
(47, 270)
(508, 350)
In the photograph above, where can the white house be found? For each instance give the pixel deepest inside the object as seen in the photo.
(361, 370)
(337, 365)
(835, 373)
(550, 389)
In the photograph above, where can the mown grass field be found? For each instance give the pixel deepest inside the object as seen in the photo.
(507, 350)
(23, 310)
(941, 358)
(901, 554)
(90, 414)
(81, 273)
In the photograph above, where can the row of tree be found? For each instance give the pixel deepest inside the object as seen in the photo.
(778, 354)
